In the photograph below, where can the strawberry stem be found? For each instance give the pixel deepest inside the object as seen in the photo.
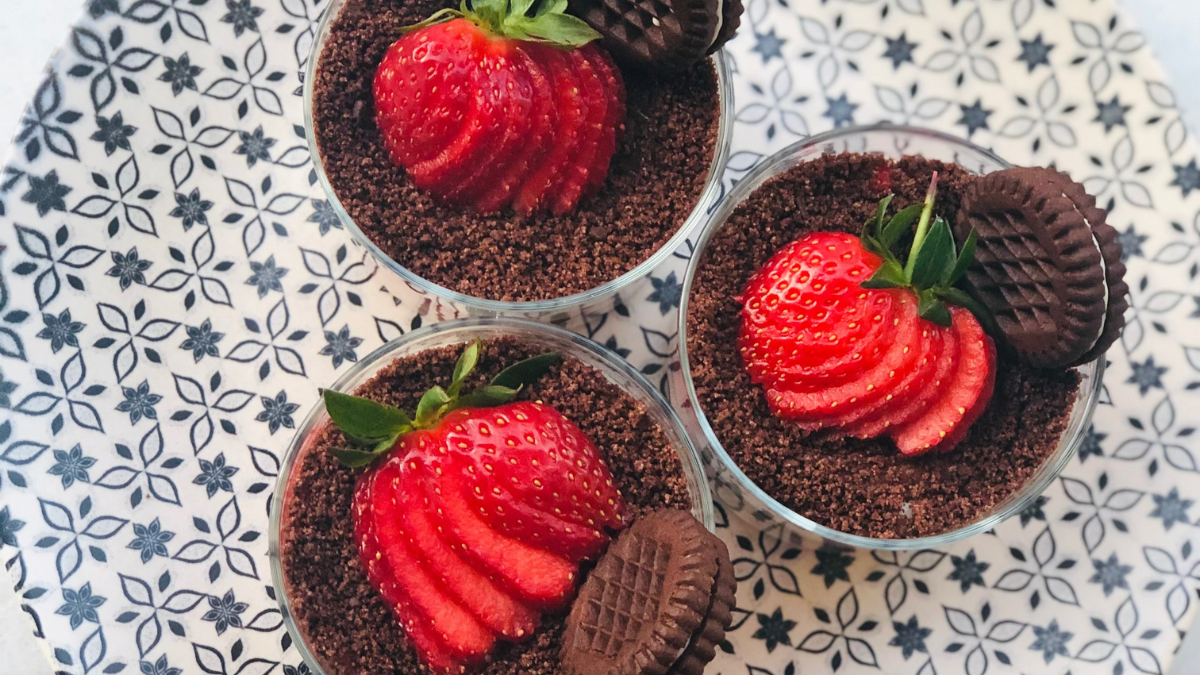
(922, 226)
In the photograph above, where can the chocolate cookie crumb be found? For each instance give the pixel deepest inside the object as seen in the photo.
(656, 177)
(860, 487)
(346, 623)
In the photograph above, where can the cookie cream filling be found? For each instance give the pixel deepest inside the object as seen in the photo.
(1103, 272)
(720, 22)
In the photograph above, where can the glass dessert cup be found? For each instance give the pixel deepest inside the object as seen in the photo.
(731, 485)
(462, 331)
(558, 310)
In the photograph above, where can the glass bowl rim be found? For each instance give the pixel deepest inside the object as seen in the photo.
(692, 463)
(708, 199)
(1046, 474)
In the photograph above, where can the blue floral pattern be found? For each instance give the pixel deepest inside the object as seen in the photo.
(174, 288)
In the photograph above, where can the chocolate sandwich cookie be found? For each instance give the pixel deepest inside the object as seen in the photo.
(1040, 265)
(648, 603)
(662, 33)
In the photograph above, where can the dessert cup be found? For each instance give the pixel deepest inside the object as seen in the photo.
(461, 332)
(731, 485)
(558, 310)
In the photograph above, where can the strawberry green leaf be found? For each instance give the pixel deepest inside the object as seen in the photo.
(965, 257)
(437, 17)
(935, 256)
(930, 308)
(521, 7)
(488, 396)
(872, 244)
(430, 406)
(560, 29)
(875, 224)
(364, 420)
(354, 459)
(899, 224)
(528, 371)
(465, 366)
(889, 275)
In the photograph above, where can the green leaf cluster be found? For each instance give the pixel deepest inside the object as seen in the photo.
(933, 265)
(531, 20)
(373, 427)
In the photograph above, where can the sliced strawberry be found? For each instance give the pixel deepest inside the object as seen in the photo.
(543, 118)
(497, 610)
(614, 121)
(459, 630)
(881, 180)
(536, 577)
(572, 112)
(416, 626)
(575, 176)
(509, 74)
(901, 356)
(976, 411)
(974, 368)
(904, 409)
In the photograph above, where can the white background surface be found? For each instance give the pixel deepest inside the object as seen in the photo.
(33, 29)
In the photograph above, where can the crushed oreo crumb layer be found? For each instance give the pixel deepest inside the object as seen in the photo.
(866, 487)
(655, 180)
(346, 623)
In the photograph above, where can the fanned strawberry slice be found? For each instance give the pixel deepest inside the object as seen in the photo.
(572, 112)
(975, 368)
(543, 130)
(431, 649)
(976, 411)
(535, 576)
(614, 121)
(822, 402)
(903, 409)
(420, 107)
(509, 74)
(578, 168)
(458, 628)
(497, 610)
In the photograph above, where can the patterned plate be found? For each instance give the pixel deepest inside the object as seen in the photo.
(174, 288)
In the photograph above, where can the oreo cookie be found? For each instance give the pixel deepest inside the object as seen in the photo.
(673, 34)
(658, 602)
(1047, 265)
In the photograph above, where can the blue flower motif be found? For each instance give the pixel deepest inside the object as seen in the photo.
(768, 46)
(215, 476)
(139, 402)
(80, 605)
(1090, 446)
(899, 50)
(1035, 52)
(242, 15)
(1110, 574)
(1171, 508)
(180, 73)
(98, 8)
(1187, 177)
(832, 564)
(60, 330)
(341, 347)
(9, 527)
(113, 133)
(1111, 114)
(254, 146)
(1034, 511)
(191, 209)
(225, 611)
(129, 268)
(159, 667)
(202, 341)
(840, 110)
(1146, 375)
(7, 387)
(1131, 243)
(71, 466)
(151, 540)
(910, 637)
(667, 293)
(1051, 641)
(324, 216)
(974, 117)
(266, 276)
(301, 669)
(48, 194)
(277, 412)
(774, 630)
(967, 570)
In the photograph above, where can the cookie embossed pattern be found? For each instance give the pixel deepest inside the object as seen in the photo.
(155, 525)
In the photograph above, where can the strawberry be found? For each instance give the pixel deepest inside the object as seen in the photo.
(841, 334)
(491, 105)
(973, 376)
(482, 512)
